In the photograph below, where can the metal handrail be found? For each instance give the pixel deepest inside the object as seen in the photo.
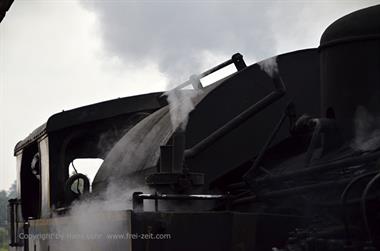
(139, 197)
(236, 59)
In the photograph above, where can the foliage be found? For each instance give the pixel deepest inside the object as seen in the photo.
(3, 208)
(12, 192)
(3, 239)
(4, 197)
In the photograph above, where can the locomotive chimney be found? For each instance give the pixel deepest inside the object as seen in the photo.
(171, 170)
(178, 150)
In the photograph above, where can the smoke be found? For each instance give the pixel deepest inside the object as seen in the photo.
(270, 66)
(367, 134)
(180, 36)
(138, 149)
(92, 222)
(181, 103)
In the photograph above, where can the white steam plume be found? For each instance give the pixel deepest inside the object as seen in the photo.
(270, 66)
(90, 222)
(367, 130)
(181, 103)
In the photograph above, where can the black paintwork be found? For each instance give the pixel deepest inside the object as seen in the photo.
(302, 193)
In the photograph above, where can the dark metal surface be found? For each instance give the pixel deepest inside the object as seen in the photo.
(237, 94)
(222, 231)
(145, 196)
(13, 208)
(321, 168)
(370, 235)
(179, 144)
(213, 196)
(343, 200)
(4, 7)
(354, 27)
(182, 180)
(350, 61)
(248, 174)
(91, 113)
(239, 119)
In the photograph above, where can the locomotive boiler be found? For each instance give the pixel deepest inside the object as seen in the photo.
(280, 155)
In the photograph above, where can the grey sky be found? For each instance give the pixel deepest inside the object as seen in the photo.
(60, 54)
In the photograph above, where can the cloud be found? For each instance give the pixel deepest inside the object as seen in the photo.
(180, 35)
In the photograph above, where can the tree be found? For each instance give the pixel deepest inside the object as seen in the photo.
(4, 197)
(3, 208)
(3, 239)
(12, 192)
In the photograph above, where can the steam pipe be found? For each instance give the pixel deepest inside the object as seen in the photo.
(280, 91)
(147, 196)
(292, 191)
(12, 207)
(313, 142)
(320, 168)
(139, 197)
(26, 233)
(311, 170)
(364, 205)
(178, 150)
(248, 175)
(166, 153)
(306, 188)
(343, 199)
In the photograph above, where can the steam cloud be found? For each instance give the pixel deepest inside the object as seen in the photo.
(91, 221)
(270, 66)
(180, 36)
(367, 136)
(180, 105)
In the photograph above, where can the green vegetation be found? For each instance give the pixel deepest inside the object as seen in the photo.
(4, 197)
(3, 239)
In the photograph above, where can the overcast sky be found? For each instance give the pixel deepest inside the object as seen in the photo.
(60, 54)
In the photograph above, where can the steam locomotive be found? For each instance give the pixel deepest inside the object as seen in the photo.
(285, 159)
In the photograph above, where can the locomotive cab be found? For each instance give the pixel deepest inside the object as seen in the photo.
(46, 184)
